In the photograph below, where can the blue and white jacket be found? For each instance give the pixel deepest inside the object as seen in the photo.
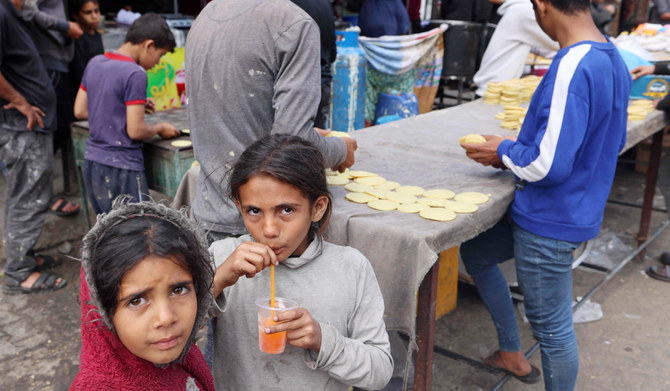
(565, 155)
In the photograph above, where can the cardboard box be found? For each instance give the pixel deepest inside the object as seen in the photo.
(650, 87)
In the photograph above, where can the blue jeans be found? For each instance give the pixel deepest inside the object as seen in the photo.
(544, 272)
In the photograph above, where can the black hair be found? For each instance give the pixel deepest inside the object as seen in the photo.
(289, 159)
(75, 5)
(151, 26)
(568, 6)
(127, 243)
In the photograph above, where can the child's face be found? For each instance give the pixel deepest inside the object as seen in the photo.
(278, 214)
(156, 309)
(150, 55)
(88, 17)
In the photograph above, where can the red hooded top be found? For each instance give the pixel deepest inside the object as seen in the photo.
(108, 365)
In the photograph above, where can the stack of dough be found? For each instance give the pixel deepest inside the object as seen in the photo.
(512, 117)
(492, 94)
(511, 93)
(639, 109)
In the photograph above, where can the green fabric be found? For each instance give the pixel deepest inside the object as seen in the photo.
(377, 82)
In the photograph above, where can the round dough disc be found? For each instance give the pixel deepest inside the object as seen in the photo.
(401, 198)
(472, 139)
(411, 190)
(377, 193)
(472, 197)
(437, 202)
(440, 193)
(388, 185)
(357, 187)
(344, 175)
(370, 180)
(361, 174)
(336, 180)
(384, 205)
(186, 131)
(359, 198)
(437, 214)
(412, 208)
(181, 143)
(330, 172)
(461, 207)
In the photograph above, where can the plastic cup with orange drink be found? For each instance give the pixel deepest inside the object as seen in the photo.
(274, 343)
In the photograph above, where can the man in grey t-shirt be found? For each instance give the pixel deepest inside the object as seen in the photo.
(253, 69)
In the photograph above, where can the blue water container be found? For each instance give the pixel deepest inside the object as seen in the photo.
(347, 104)
(403, 104)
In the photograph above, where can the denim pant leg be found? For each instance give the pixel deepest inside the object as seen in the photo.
(28, 157)
(544, 270)
(481, 257)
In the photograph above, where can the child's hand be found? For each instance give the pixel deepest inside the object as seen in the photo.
(642, 70)
(168, 131)
(302, 330)
(248, 259)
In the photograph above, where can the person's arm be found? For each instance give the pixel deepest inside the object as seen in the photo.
(45, 21)
(549, 158)
(81, 104)
(138, 129)
(363, 358)
(297, 92)
(17, 101)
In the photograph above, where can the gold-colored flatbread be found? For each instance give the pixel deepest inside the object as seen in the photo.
(345, 175)
(377, 193)
(440, 193)
(360, 174)
(401, 198)
(370, 180)
(472, 197)
(181, 143)
(186, 131)
(411, 190)
(335, 133)
(357, 187)
(359, 198)
(460, 207)
(385, 205)
(437, 202)
(437, 214)
(412, 208)
(330, 172)
(336, 180)
(388, 185)
(472, 139)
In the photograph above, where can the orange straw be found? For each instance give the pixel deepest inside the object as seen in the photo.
(272, 286)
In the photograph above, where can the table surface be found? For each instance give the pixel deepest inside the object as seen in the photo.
(176, 117)
(424, 151)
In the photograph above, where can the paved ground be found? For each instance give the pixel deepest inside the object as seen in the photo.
(627, 349)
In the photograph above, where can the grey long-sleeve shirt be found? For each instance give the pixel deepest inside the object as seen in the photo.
(338, 287)
(50, 27)
(253, 69)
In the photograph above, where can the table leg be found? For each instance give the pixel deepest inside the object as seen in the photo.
(425, 330)
(650, 187)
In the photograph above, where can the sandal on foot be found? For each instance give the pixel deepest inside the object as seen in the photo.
(62, 204)
(45, 282)
(533, 376)
(659, 272)
(48, 262)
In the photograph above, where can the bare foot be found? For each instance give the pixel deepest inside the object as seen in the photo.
(514, 362)
(67, 208)
(28, 282)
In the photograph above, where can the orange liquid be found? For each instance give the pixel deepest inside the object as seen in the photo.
(271, 343)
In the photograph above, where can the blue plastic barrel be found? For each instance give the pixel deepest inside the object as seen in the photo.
(347, 106)
(403, 104)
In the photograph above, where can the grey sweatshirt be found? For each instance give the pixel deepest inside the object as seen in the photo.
(337, 285)
(49, 32)
(253, 69)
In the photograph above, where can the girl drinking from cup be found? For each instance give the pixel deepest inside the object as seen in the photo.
(145, 290)
(336, 335)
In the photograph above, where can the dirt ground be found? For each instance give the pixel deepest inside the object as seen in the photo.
(627, 349)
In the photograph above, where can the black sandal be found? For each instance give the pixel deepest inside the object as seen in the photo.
(59, 209)
(48, 262)
(45, 282)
